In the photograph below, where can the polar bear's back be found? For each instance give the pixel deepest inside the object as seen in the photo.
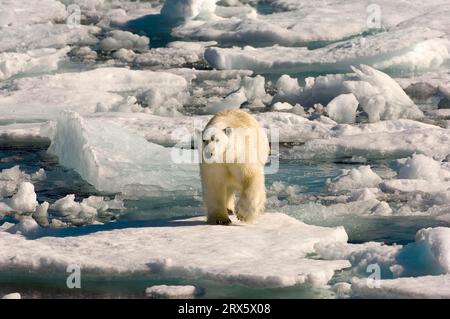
(233, 119)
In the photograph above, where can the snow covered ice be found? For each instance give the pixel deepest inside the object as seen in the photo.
(277, 243)
(96, 98)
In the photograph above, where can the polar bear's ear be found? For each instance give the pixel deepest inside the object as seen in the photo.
(228, 131)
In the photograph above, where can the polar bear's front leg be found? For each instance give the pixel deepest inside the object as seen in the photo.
(215, 193)
(253, 196)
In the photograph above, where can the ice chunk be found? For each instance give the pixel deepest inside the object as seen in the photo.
(432, 287)
(437, 241)
(35, 61)
(252, 91)
(114, 160)
(118, 39)
(277, 243)
(14, 295)
(26, 226)
(362, 255)
(413, 185)
(288, 90)
(25, 198)
(423, 167)
(343, 108)
(164, 291)
(67, 207)
(41, 214)
(360, 177)
(391, 102)
(189, 9)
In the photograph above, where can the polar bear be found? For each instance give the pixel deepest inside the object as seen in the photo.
(233, 153)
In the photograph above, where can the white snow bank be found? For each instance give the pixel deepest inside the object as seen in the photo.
(405, 49)
(14, 295)
(355, 178)
(272, 252)
(165, 291)
(437, 241)
(102, 89)
(433, 287)
(115, 160)
(35, 61)
(189, 9)
(118, 39)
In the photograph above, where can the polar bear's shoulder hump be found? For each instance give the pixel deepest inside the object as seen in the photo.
(234, 118)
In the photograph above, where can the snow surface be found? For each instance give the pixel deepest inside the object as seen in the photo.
(276, 243)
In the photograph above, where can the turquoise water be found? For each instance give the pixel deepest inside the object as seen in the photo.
(311, 176)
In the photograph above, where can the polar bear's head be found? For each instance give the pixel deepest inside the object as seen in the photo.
(215, 142)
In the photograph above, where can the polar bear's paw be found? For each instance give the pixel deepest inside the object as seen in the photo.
(222, 220)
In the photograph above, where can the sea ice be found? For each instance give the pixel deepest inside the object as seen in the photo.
(408, 49)
(355, 178)
(343, 108)
(165, 291)
(118, 39)
(115, 160)
(433, 287)
(278, 244)
(437, 241)
(14, 295)
(44, 97)
(35, 61)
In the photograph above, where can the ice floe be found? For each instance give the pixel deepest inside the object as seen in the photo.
(404, 49)
(278, 244)
(433, 287)
(115, 160)
(165, 291)
(102, 89)
(14, 295)
(35, 61)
